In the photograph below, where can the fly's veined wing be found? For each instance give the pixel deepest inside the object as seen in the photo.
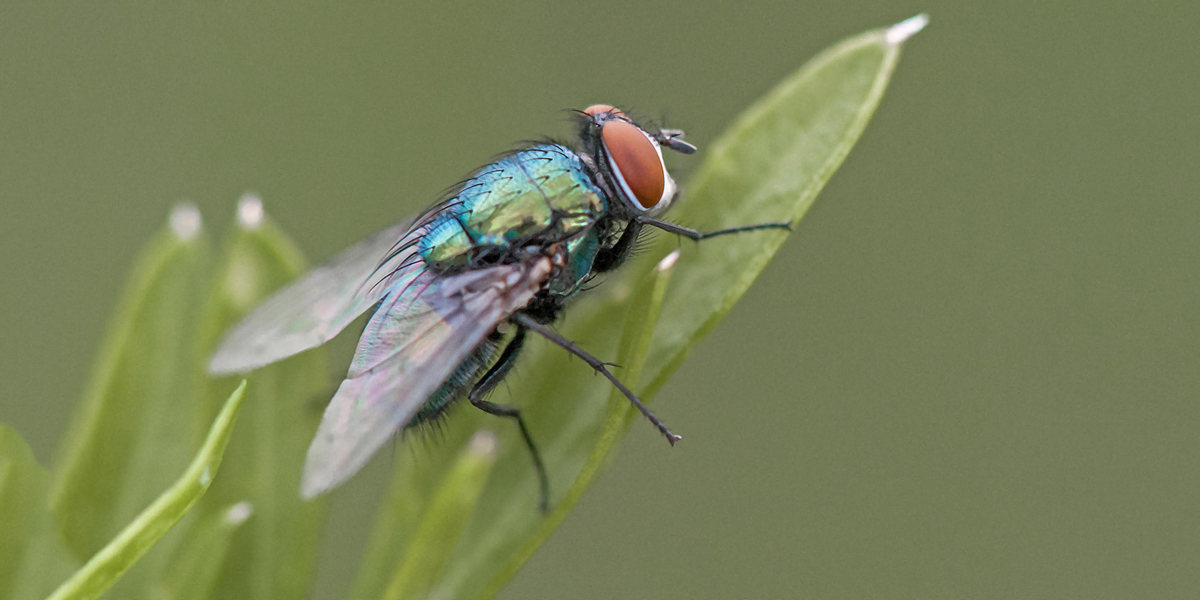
(312, 310)
(419, 335)
(382, 338)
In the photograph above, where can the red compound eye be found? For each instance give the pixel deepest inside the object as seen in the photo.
(635, 161)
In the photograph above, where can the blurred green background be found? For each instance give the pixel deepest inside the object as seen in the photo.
(971, 373)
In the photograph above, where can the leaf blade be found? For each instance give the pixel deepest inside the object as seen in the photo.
(419, 471)
(768, 167)
(273, 554)
(779, 176)
(636, 338)
(437, 534)
(22, 483)
(114, 559)
(195, 569)
(134, 394)
(33, 559)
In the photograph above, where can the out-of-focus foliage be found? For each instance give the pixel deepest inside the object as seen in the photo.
(273, 555)
(108, 564)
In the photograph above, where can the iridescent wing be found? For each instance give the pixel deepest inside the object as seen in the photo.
(422, 331)
(312, 310)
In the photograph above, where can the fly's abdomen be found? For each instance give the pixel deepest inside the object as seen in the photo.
(456, 386)
(540, 195)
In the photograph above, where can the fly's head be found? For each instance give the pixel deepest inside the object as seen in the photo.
(629, 159)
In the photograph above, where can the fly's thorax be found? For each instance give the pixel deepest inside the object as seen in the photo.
(444, 241)
(540, 195)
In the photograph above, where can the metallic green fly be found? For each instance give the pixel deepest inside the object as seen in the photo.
(457, 289)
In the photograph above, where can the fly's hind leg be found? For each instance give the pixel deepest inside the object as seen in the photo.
(487, 383)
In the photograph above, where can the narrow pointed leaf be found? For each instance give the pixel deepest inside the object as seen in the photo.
(273, 554)
(110, 562)
(199, 560)
(32, 557)
(46, 563)
(132, 435)
(636, 337)
(421, 466)
(768, 166)
(22, 489)
(440, 526)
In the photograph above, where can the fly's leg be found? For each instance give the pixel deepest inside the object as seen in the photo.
(527, 322)
(487, 383)
(696, 235)
(611, 258)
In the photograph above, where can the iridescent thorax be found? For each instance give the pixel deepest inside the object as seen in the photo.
(539, 195)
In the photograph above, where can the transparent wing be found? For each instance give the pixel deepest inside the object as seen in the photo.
(419, 335)
(312, 310)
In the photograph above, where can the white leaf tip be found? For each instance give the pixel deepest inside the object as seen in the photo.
(668, 261)
(483, 443)
(309, 491)
(238, 513)
(250, 211)
(186, 221)
(900, 32)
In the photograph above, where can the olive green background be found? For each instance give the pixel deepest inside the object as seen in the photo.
(971, 373)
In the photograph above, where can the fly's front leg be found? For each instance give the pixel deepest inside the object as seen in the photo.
(696, 235)
(611, 258)
(487, 383)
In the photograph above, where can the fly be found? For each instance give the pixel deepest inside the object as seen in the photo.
(457, 289)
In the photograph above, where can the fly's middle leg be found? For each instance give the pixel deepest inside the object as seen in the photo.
(601, 367)
(487, 383)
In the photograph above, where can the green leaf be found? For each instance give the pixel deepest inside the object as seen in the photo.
(133, 432)
(769, 166)
(32, 558)
(274, 554)
(198, 562)
(46, 564)
(636, 338)
(22, 484)
(439, 528)
(111, 561)
(420, 468)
